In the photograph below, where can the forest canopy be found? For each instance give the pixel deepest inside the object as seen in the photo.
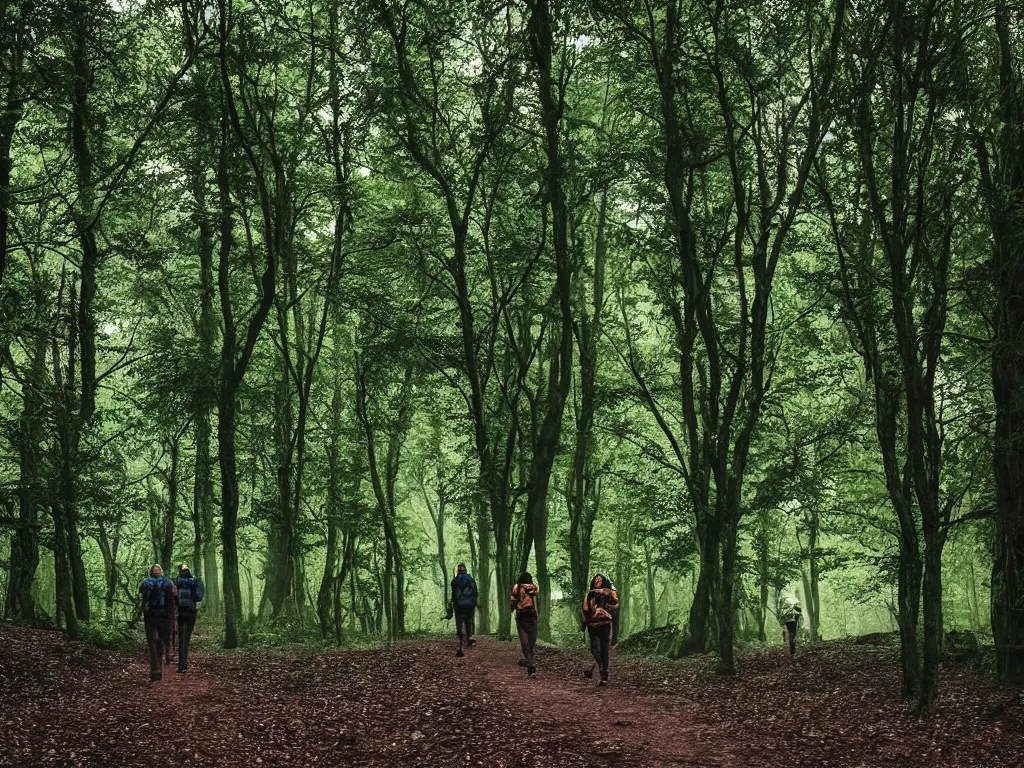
(722, 298)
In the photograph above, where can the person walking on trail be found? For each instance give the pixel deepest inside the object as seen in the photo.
(463, 604)
(790, 617)
(158, 595)
(524, 602)
(599, 607)
(190, 594)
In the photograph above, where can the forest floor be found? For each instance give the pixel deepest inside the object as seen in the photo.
(416, 704)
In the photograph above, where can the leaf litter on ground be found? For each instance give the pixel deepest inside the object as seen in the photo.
(415, 704)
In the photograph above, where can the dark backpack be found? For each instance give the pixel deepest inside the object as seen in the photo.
(155, 591)
(190, 592)
(463, 591)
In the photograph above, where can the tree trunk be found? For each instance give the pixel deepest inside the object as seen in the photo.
(909, 595)
(483, 568)
(700, 609)
(933, 625)
(334, 481)
(582, 508)
(1006, 194)
(652, 599)
(812, 594)
(726, 591)
(25, 546)
(170, 517)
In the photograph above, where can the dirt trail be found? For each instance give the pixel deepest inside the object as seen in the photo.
(616, 720)
(416, 706)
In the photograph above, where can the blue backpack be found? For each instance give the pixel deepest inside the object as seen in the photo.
(190, 592)
(155, 590)
(464, 591)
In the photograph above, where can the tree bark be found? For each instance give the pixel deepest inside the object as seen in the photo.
(1004, 184)
(25, 545)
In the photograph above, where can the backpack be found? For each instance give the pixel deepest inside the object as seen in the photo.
(526, 598)
(463, 591)
(190, 592)
(155, 592)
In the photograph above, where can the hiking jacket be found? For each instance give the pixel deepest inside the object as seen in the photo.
(599, 607)
(791, 614)
(462, 585)
(524, 598)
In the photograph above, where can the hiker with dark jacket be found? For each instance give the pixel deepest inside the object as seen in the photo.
(599, 608)
(463, 603)
(524, 602)
(190, 593)
(158, 595)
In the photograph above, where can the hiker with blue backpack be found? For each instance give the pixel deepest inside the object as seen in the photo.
(462, 604)
(190, 593)
(158, 595)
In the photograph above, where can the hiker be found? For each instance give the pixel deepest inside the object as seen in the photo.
(158, 596)
(790, 616)
(599, 607)
(524, 603)
(463, 604)
(190, 593)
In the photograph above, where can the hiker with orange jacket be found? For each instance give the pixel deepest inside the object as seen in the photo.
(599, 607)
(524, 603)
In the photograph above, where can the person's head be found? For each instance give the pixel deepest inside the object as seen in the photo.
(599, 581)
(525, 578)
(460, 568)
(156, 571)
(791, 601)
(184, 572)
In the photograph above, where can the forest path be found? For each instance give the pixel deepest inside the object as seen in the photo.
(415, 705)
(617, 720)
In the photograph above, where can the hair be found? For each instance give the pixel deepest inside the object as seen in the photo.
(525, 578)
(603, 583)
(154, 568)
(461, 565)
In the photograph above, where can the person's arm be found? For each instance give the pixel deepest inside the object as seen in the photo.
(613, 601)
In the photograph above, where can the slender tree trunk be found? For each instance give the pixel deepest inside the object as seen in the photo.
(931, 595)
(65, 498)
(652, 599)
(234, 361)
(334, 481)
(170, 517)
(582, 508)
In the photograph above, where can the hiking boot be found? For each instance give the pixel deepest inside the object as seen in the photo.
(459, 653)
(604, 677)
(471, 642)
(154, 677)
(589, 672)
(531, 671)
